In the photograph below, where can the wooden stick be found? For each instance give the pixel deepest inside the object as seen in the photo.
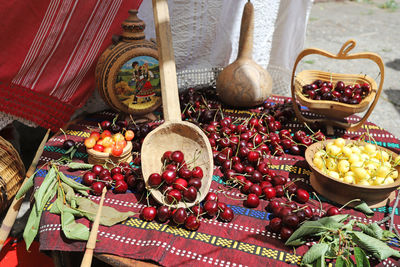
(91, 244)
(12, 212)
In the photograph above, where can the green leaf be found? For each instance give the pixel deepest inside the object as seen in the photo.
(109, 215)
(321, 262)
(69, 192)
(363, 207)
(48, 179)
(340, 261)
(361, 257)
(366, 230)
(72, 183)
(71, 229)
(376, 247)
(377, 230)
(328, 221)
(79, 166)
(308, 228)
(388, 234)
(25, 187)
(314, 253)
(69, 150)
(32, 225)
(73, 152)
(82, 192)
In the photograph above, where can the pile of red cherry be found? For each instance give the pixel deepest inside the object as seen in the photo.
(210, 208)
(118, 178)
(340, 92)
(176, 180)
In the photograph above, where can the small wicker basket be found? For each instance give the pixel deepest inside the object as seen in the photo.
(335, 112)
(12, 173)
(101, 158)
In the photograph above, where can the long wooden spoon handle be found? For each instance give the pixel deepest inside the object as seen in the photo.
(12, 212)
(91, 244)
(169, 85)
(246, 32)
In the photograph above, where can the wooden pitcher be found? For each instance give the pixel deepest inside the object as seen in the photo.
(244, 83)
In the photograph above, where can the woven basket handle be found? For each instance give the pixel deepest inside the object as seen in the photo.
(343, 55)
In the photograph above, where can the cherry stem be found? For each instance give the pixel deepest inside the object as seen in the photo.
(65, 135)
(351, 201)
(320, 204)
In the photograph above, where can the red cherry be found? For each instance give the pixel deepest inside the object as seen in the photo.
(269, 192)
(169, 176)
(308, 212)
(104, 173)
(278, 180)
(166, 156)
(96, 169)
(192, 223)
(211, 196)
(116, 170)
(196, 182)
(256, 177)
(88, 178)
(197, 210)
(185, 173)
(179, 216)
(180, 184)
(130, 180)
(275, 225)
(265, 184)
(148, 213)
(279, 190)
(211, 207)
(118, 177)
(155, 180)
(255, 189)
(332, 211)
(226, 215)
(197, 172)
(246, 186)
(173, 196)
(171, 167)
(97, 188)
(284, 211)
(163, 213)
(120, 187)
(108, 181)
(290, 220)
(190, 194)
(252, 201)
(302, 195)
(177, 156)
(286, 232)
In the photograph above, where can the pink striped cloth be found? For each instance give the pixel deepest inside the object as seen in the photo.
(48, 52)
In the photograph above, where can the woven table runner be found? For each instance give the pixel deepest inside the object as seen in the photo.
(245, 241)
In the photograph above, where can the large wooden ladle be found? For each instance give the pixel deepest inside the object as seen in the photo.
(244, 83)
(173, 134)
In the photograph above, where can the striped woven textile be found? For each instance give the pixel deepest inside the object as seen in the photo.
(48, 53)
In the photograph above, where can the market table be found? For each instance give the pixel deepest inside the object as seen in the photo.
(245, 241)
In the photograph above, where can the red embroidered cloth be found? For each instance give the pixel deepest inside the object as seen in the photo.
(48, 52)
(243, 242)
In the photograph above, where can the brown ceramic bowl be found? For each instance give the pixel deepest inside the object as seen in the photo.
(340, 192)
(96, 157)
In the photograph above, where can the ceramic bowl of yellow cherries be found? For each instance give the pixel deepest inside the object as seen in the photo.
(343, 170)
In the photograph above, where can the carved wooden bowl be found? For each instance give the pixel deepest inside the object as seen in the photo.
(341, 192)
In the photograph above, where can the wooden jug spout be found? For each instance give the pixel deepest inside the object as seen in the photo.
(244, 83)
